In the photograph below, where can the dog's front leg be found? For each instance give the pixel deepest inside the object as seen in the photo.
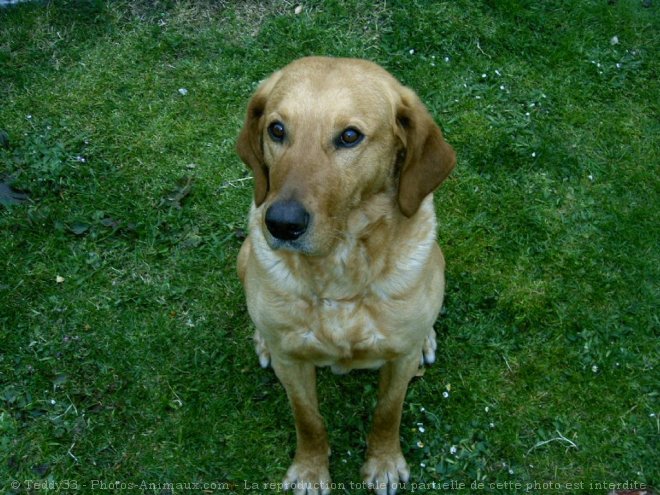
(309, 473)
(385, 468)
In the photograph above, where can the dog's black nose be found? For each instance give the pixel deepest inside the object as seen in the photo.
(287, 220)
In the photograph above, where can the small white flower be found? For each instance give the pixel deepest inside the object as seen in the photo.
(445, 395)
(421, 429)
(652, 415)
(534, 154)
(502, 87)
(498, 72)
(486, 409)
(412, 51)
(510, 471)
(422, 409)
(492, 425)
(420, 444)
(298, 9)
(52, 402)
(59, 279)
(447, 59)
(591, 177)
(453, 450)
(594, 368)
(618, 66)
(29, 117)
(614, 40)
(421, 464)
(484, 76)
(183, 91)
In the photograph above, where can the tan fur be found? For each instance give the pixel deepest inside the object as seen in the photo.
(364, 285)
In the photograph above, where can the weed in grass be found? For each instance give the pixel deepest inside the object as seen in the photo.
(44, 162)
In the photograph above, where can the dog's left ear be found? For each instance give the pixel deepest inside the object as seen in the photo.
(428, 158)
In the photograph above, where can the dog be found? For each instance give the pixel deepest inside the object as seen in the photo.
(341, 266)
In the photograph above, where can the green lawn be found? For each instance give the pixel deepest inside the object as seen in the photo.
(126, 358)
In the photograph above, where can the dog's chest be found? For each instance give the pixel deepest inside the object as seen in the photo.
(344, 334)
(357, 308)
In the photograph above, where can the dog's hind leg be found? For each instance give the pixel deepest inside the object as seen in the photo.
(428, 349)
(262, 349)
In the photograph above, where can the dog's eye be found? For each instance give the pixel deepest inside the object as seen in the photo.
(349, 137)
(277, 132)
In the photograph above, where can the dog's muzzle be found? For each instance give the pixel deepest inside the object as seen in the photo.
(287, 220)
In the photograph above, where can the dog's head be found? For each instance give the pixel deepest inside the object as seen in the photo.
(323, 135)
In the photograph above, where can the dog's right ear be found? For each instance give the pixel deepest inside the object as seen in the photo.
(249, 144)
(249, 147)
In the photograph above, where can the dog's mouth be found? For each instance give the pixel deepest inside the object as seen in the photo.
(297, 246)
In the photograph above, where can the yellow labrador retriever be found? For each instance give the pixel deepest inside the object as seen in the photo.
(341, 267)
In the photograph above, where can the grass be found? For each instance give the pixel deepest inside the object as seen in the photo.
(126, 357)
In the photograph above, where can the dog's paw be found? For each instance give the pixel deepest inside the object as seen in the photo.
(262, 350)
(307, 479)
(385, 474)
(428, 349)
